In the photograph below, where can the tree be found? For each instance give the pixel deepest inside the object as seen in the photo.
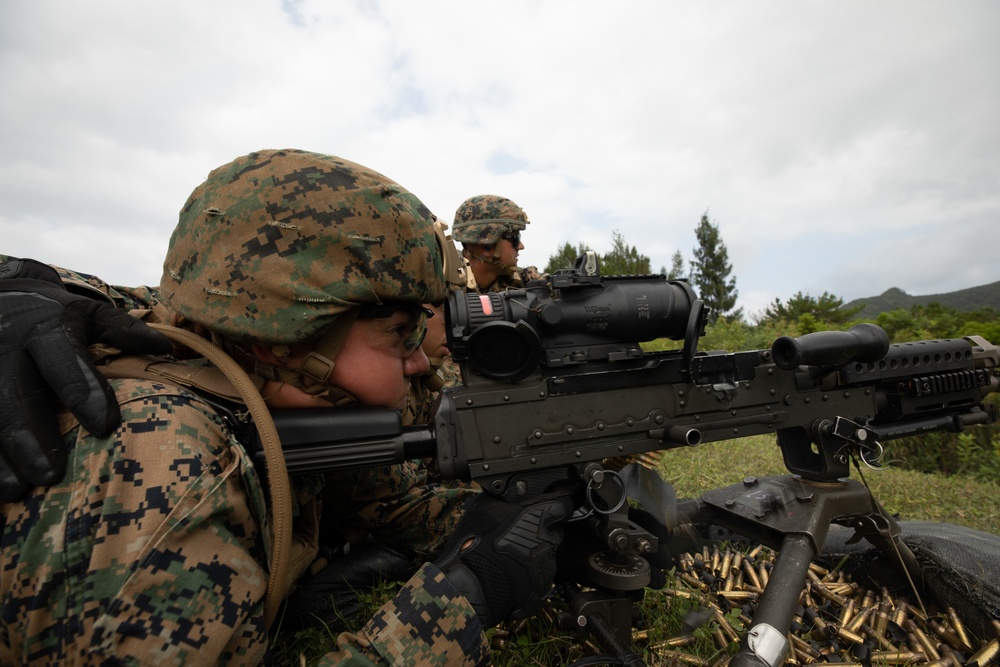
(677, 267)
(623, 259)
(826, 310)
(710, 271)
(566, 257)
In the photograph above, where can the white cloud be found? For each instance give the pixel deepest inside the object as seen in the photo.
(842, 147)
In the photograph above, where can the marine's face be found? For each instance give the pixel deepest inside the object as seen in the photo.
(375, 365)
(436, 343)
(377, 362)
(510, 245)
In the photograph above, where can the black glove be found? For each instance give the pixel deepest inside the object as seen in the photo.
(330, 596)
(502, 557)
(44, 334)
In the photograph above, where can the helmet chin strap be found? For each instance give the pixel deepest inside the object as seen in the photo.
(494, 259)
(505, 269)
(317, 365)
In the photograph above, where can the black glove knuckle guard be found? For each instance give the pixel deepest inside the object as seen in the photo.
(44, 333)
(503, 557)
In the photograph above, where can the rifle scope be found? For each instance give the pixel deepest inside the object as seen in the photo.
(570, 317)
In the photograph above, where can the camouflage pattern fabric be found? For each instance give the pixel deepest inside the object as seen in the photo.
(504, 281)
(139, 299)
(153, 545)
(427, 623)
(153, 550)
(400, 505)
(483, 233)
(529, 273)
(450, 372)
(273, 246)
(483, 219)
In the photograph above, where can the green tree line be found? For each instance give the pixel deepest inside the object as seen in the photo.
(709, 270)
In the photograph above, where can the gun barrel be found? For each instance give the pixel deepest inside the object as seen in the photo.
(679, 435)
(955, 423)
(863, 342)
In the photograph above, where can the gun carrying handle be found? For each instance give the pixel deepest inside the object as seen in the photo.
(863, 342)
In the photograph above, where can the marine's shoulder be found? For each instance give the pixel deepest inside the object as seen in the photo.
(157, 403)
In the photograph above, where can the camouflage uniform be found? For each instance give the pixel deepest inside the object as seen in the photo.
(154, 545)
(403, 505)
(154, 548)
(521, 276)
(450, 372)
(158, 525)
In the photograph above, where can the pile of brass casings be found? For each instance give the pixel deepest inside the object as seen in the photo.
(837, 620)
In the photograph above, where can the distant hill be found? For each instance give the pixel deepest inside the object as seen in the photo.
(973, 298)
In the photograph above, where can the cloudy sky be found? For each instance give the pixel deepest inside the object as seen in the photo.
(846, 147)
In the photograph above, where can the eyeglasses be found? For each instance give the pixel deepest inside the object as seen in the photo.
(513, 237)
(393, 326)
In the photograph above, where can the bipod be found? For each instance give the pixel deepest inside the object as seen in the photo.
(614, 574)
(607, 616)
(793, 515)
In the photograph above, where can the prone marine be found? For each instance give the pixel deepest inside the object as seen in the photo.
(156, 540)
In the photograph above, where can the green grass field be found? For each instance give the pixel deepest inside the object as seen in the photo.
(911, 495)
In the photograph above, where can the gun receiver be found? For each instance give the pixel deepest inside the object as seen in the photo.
(590, 397)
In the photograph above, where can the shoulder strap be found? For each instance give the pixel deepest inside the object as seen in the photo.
(227, 379)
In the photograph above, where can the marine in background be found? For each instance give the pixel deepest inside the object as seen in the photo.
(489, 228)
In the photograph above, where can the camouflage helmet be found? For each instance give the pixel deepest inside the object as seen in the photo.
(275, 245)
(483, 219)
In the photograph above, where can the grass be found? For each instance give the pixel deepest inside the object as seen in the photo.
(910, 495)
(538, 641)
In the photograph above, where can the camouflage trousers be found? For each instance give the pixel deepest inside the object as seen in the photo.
(152, 547)
(400, 505)
(405, 506)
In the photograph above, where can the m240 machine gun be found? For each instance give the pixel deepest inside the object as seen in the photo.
(554, 382)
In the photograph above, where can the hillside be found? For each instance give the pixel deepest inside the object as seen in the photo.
(972, 298)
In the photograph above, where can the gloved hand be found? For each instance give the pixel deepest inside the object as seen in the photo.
(330, 596)
(44, 334)
(502, 557)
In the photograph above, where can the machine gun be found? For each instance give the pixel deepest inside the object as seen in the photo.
(554, 382)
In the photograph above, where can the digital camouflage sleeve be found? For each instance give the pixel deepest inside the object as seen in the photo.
(152, 546)
(427, 623)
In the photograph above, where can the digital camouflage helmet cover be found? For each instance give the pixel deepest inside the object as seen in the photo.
(483, 219)
(275, 245)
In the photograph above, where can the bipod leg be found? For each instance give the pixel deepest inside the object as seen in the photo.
(792, 515)
(607, 616)
(766, 643)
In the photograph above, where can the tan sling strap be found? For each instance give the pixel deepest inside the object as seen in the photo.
(233, 383)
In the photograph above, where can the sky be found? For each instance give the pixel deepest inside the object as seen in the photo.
(845, 147)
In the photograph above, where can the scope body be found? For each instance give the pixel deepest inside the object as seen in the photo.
(568, 318)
